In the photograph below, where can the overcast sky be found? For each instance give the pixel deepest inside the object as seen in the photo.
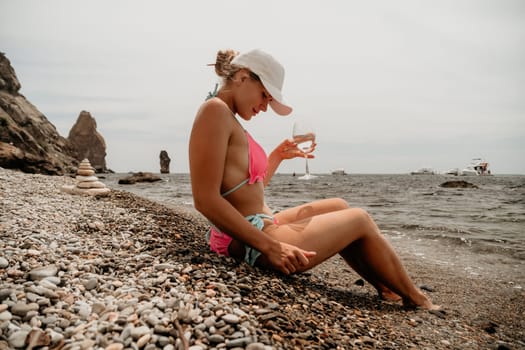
(391, 86)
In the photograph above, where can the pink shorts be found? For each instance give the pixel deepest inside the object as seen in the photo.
(219, 241)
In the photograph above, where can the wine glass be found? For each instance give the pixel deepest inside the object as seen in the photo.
(303, 134)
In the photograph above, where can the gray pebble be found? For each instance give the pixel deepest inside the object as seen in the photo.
(138, 332)
(239, 342)
(18, 338)
(255, 346)
(5, 293)
(90, 283)
(216, 338)
(21, 309)
(5, 316)
(43, 272)
(196, 347)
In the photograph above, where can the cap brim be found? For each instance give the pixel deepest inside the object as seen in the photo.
(278, 104)
(280, 108)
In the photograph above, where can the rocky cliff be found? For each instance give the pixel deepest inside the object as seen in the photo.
(87, 142)
(28, 141)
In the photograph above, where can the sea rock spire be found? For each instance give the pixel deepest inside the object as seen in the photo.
(164, 162)
(87, 142)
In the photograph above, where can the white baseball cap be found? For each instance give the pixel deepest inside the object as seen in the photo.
(271, 74)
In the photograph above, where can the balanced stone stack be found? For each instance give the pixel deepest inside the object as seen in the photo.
(86, 182)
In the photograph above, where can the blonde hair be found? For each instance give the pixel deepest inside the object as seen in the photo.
(225, 69)
(223, 66)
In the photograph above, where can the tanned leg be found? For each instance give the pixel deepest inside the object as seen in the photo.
(331, 233)
(349, 253)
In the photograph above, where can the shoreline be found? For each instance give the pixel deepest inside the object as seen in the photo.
(482, 222)
(134, 272)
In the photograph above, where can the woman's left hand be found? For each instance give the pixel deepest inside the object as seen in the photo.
(288, 150)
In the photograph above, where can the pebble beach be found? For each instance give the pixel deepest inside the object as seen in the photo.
(122, 272)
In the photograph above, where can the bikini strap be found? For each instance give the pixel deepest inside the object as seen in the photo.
(257, 219)
(214, 93)
(235, 188)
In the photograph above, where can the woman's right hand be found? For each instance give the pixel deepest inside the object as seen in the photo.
(288, 149)
(288, 258)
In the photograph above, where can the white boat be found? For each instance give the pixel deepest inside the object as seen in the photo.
(340, 171)
(307, 177)
(468, 171)
(476, 167)
(454, 171)
(423, 171)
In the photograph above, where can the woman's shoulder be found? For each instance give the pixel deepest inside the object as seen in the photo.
(214, 111)
(215, 106)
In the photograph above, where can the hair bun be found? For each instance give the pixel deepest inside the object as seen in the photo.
(223, 66)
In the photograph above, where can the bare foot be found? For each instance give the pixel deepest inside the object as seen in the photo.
(425, 306)
(388, 295)
(422, 302)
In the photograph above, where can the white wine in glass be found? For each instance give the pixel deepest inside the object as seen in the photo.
(303, 134)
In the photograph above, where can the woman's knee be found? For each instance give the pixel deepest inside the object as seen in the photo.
(361, 216)
(338, 204)
(341, 203)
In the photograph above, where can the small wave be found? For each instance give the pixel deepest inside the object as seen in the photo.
(479, 245)
(418, 227)
(514, 201)
(455, 240)
(449, 193)
(394, 233)
(435, 215)
(411, 226)
(493, 247)
(516, 186)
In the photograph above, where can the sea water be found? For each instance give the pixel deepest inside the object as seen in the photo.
(479, 230)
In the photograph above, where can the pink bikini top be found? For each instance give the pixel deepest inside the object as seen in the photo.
(258, 164)
(257, 159)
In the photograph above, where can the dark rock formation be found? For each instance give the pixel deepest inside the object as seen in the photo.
(457, 184)
(139, 177)
(164, 162)
(87, 143)
(28, 141)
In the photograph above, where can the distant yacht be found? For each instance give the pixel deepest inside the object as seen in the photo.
(454, 171)
(476, 167)
(307, 177)
(339, 171)
(423, 171)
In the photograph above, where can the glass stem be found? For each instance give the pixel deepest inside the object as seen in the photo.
(306, 161)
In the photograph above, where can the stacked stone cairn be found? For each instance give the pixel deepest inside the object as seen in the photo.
(86, 182)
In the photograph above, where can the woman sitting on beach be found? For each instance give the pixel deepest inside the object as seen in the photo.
(229, 171)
